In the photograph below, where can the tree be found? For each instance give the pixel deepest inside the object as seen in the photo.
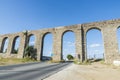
(15, 51)
(30, 52)
(70, 57)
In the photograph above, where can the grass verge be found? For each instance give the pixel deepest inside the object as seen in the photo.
(10, 61)
(82, 63)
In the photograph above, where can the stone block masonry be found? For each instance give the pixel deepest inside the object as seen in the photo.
(108, 29)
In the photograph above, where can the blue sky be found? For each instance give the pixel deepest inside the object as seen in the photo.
(20, 15)
(95, 47)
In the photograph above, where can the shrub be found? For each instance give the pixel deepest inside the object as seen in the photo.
(15, 51)
(30, 52)
(70, 57)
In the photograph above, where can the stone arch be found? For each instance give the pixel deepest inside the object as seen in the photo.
(62, 45)
(67, 31)
(97, 28)
(4, 46)
(31, 40)
(42, 55)
(118, 27)
(15, 45)
(118, 37)
(100, 55)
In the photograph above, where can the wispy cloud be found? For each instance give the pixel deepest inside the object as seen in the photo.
(70, 43)
(95, 45)
(32, 43)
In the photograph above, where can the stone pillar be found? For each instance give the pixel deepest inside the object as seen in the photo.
(57, 45)
(84, 47)
(21, 46)
(110, 43)
(38, 46)
(9, 49)
(1, 46)
(78, 45)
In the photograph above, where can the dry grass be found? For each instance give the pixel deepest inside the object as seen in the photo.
(9, 61)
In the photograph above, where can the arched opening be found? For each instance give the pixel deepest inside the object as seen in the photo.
(31, 40)
(4, 46)
(95, 46)
(118, 37)
(47, 45)
(30, 50)
(68, 44)
(15, 45)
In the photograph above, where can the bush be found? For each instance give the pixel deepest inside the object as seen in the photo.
(70, 57)
(15, 51)
(30, 52)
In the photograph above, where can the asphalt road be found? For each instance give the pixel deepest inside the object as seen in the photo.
(30, 71)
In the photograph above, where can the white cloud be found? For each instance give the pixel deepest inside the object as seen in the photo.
(65, 49)
(70, 43)
(92, 52)
(97, 51)
(95, 45)
(32, 43)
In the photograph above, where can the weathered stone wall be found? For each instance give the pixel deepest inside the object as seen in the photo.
(107, 28)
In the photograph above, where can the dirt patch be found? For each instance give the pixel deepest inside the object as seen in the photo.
(95, 71)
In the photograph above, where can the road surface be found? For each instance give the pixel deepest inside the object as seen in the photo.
(30, 71)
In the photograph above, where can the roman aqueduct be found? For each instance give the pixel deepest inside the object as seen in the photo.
(107, 28)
